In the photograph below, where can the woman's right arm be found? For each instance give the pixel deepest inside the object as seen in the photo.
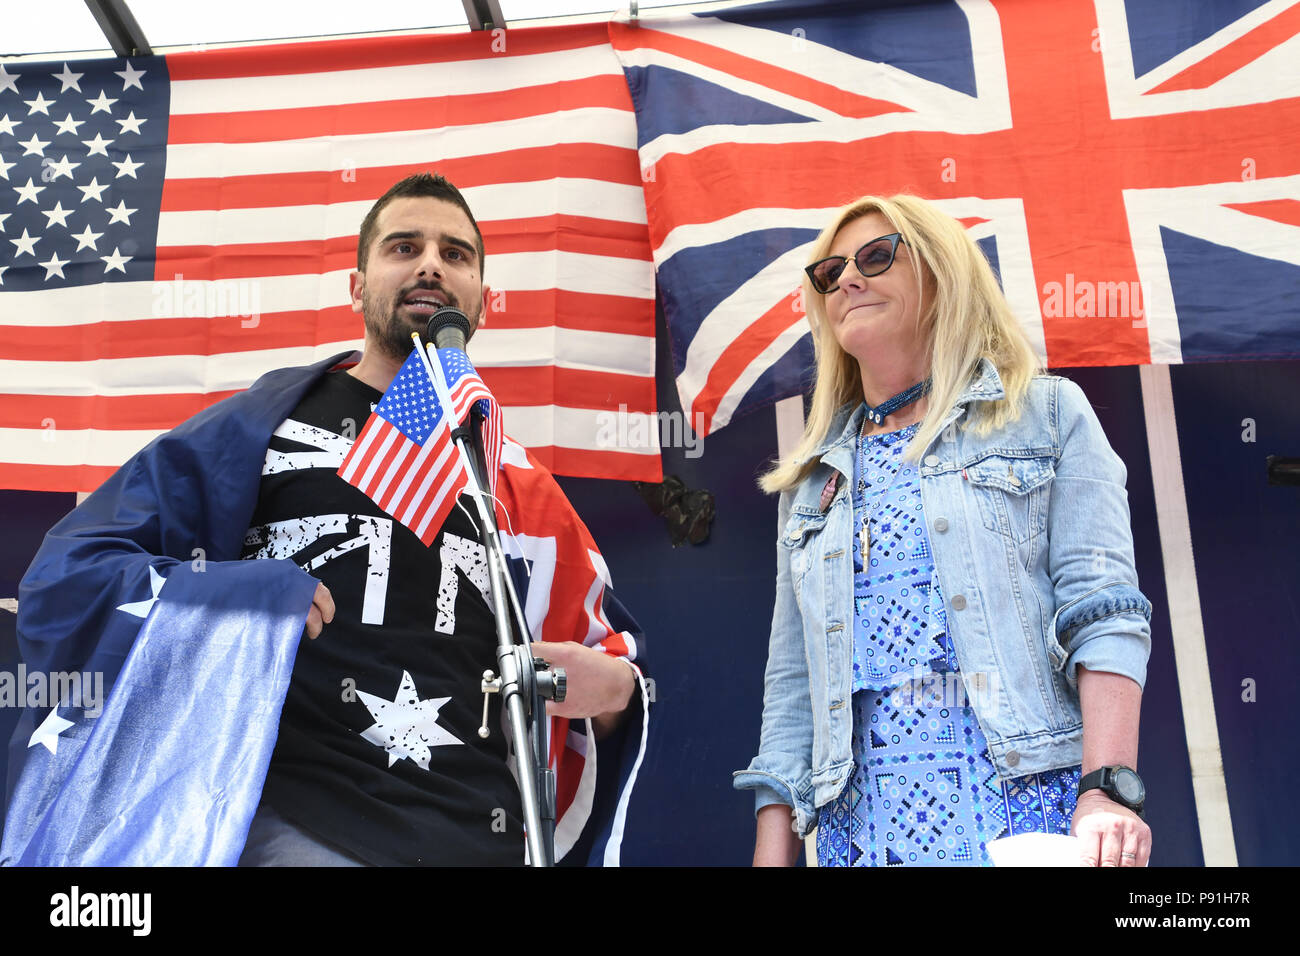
(782, 766)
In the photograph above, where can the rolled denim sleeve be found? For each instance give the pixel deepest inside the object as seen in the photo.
(781, 773)
(1102, 619)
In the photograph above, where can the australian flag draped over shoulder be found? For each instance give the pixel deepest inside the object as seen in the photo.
(1108, 156)
(195, 646)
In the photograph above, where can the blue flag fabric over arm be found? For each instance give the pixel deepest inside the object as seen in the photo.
(168, 525)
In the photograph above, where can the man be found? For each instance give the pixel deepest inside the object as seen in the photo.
(377, 758)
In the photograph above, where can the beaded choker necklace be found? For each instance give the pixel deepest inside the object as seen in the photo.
(901, 400)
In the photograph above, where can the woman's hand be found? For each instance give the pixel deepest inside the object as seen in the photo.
(1110, 834)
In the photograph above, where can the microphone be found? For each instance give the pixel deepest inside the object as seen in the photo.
(448, 329)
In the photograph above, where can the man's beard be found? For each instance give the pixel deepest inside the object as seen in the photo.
(390, 332)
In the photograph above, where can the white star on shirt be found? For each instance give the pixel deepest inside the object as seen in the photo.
(68, 79)
(126, 167)
(131, 77)
(54, 264)
(6, 215)
(93, 191)
(34, 146)
(3, 270)
(101, 104)
(25, 244)
(406, 726)
(119, 213)
(8, 81)
(69, 125)
(131, 122)
(59, 213)
(5, 167)
(116, 261)
(141, 608)
(38, 105)
(62, 168)
(53, 725)
(7, 125)
(97, 145)
(86, 238)
(27, 193)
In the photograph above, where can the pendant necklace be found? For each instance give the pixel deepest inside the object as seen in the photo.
(878, 415)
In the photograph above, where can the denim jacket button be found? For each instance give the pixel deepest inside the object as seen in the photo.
(1013, 758)
(931, 460)
(958, 602)
(941, 525)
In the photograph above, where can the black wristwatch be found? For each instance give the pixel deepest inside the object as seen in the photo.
(1120, 783)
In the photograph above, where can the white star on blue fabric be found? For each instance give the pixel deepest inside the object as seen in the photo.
(48, 732)
(141, 608)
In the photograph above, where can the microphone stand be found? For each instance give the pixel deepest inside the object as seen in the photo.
(524, 683)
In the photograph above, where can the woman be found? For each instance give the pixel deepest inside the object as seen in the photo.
(958, 645)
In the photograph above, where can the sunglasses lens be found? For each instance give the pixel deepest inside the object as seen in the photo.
(875, 257)
(825, 273)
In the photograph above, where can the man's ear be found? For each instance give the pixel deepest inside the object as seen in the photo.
(483, 307)
(356, 282)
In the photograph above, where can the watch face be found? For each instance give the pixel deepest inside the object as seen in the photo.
(1129, 786)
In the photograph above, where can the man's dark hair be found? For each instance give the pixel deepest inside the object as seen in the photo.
(431, 185)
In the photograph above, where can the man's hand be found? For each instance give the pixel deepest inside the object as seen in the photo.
(598, 685)
(322, 611)
(1109, 833)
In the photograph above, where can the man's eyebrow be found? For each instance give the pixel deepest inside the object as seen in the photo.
(456, 241)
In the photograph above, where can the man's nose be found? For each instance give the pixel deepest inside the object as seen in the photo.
(430, 264)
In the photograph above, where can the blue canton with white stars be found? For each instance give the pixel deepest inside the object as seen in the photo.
(411, 403)
(924, 791)
(82, 159)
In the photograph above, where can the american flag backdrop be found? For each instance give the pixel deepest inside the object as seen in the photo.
(1131, 169)
(172, 227)
(405, 459)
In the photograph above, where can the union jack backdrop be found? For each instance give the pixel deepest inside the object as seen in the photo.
(172, 227)
(1131, 169)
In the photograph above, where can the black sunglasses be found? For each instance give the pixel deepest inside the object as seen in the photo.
(871, 260)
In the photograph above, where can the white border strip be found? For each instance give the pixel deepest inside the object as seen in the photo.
(1208, 784)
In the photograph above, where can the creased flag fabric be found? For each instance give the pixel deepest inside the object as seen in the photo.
(405, 459)
(1131, 169)
(172, 227)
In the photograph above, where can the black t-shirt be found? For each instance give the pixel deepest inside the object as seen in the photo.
(379, 752)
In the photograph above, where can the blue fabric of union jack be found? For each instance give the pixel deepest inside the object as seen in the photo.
(1108, 156)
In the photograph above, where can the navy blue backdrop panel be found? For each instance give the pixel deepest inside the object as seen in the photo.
(1246, 538)
(1116, 397)
(25, 517)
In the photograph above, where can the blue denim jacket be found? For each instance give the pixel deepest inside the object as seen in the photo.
(1030, 532)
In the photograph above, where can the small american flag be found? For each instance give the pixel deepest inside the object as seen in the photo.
(405, 459)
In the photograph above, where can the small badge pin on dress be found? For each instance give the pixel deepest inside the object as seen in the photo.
(829, 489)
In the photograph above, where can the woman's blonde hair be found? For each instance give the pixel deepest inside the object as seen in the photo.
(968, 319)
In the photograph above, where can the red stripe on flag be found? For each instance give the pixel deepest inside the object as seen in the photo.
(54, 477)
(1245, 49)
(793, 84)
(104, 412)
(318, 56)
(321, 187)
(581, 463)
(1286, 211)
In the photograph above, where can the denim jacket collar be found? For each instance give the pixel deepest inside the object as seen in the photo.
(985, 385)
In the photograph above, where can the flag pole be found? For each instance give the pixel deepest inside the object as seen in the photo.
(524, 684)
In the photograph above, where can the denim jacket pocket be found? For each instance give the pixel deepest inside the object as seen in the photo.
(1012, 493)
(797, 535)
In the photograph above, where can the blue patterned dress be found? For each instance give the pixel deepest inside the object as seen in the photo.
(923, 792)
